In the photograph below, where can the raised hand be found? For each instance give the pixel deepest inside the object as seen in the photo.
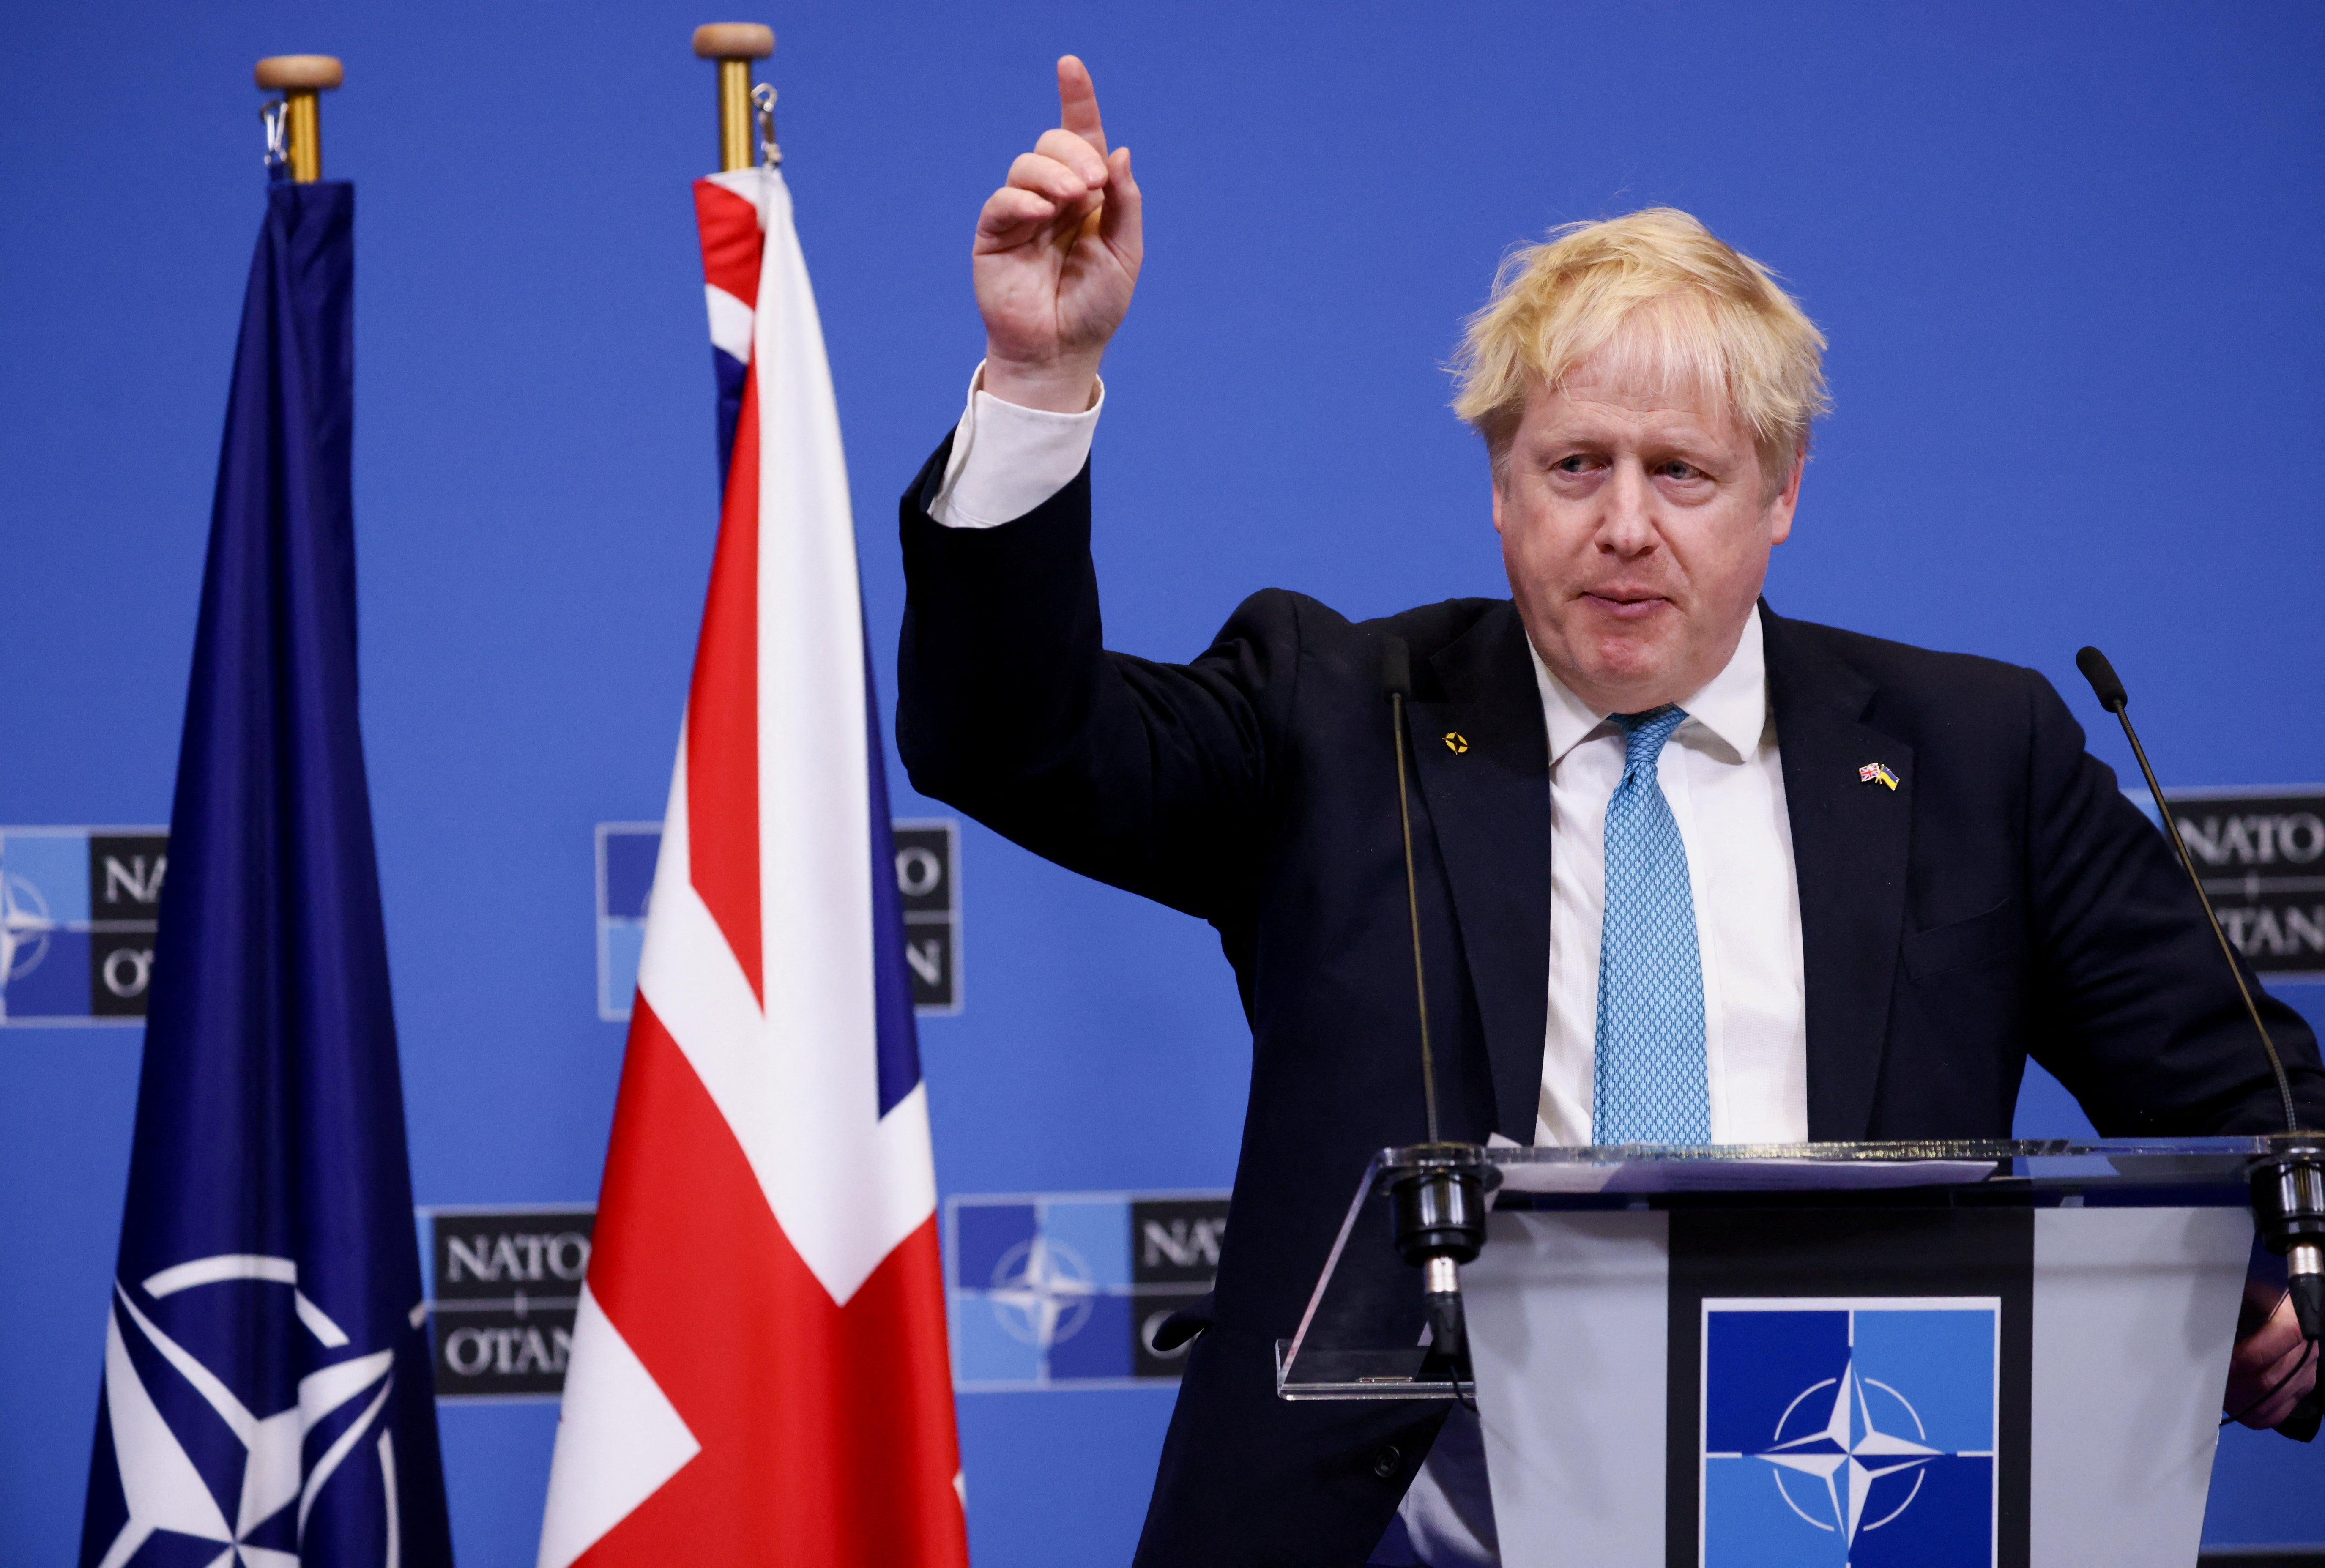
(1057, 257)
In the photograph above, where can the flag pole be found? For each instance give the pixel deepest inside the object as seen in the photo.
(300, 78)
(734, 45)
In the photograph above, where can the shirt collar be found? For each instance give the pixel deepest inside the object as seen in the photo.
(1731, 708)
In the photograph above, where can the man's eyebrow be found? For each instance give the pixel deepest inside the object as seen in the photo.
(1694, 436)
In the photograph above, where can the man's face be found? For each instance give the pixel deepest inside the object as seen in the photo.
(1635, 528)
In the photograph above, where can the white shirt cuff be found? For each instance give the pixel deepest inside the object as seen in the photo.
(1007, 460)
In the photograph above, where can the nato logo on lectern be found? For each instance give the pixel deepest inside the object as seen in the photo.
(1850, 1434)
(77, 909)
(1065, 1290)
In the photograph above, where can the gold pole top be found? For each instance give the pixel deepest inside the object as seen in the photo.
(734, 45)
(729, 41)
(299, 78)
(298, 73)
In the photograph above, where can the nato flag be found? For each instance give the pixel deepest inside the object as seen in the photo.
(267, 1397)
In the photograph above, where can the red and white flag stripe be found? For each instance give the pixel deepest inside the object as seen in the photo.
(759, 1370)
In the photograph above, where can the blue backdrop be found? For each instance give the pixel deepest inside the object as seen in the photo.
(2068, 260)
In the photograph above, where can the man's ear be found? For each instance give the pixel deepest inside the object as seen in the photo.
(1781, 505)
(1495, 473)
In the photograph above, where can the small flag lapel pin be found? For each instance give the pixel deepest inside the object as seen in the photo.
(1875, 772)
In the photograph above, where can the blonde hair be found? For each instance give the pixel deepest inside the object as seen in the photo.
(1672, 301)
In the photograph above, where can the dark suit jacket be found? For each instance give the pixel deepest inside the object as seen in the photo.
(2004, 900)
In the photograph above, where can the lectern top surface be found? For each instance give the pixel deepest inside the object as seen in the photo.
(1359, 1338)
(2034, 1165)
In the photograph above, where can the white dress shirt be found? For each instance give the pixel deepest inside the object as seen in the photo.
(1721, 773)
(1723, 779)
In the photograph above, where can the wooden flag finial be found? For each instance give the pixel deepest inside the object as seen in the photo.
(734, 45)
(299, 78)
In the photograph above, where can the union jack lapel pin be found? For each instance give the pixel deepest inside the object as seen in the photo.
(1875, 772)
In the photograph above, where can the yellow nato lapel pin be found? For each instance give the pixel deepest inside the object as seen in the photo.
(1456, 742)
(1877, 773)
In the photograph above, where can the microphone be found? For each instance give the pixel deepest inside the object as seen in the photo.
(2107, 687)
(1396, 684)
(2289, 1190)
(1437, 1191)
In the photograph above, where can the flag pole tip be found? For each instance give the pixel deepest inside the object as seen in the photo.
(298, 73)
(734, 41)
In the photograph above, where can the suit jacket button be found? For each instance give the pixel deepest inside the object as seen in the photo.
(1385, 1462)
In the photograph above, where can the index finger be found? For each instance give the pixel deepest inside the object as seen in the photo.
(1078, 102)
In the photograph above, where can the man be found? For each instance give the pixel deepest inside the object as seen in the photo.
(1689, 871)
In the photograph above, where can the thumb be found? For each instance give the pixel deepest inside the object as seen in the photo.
(1120, 220)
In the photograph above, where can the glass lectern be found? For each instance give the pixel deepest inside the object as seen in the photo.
(1994, 1353)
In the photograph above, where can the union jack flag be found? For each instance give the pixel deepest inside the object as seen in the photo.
(759, 1370)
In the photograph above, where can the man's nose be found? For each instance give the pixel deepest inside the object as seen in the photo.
(1627, 526)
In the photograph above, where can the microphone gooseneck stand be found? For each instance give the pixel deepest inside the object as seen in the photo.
(1436, 1190)
(2288, 1186)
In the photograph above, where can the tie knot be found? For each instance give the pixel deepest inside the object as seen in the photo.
(1644, 734)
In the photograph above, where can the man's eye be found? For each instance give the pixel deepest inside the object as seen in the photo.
(1677, 471)
(1573, 465)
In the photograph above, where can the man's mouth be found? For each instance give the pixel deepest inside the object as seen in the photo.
(1625, 605)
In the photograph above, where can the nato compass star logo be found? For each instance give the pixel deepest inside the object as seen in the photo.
(1848, 1453)
(1059, 1290)
(1853, 1434)
(1042, 1291)
(79, 908)
(231, 1449)
(25, 928)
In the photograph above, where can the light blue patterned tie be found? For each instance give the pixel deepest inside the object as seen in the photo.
(1649, 1081)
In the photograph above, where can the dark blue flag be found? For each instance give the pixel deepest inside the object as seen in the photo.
(268, 1399)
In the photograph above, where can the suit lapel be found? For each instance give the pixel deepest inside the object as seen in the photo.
(1487, 792)
(1850, 840)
